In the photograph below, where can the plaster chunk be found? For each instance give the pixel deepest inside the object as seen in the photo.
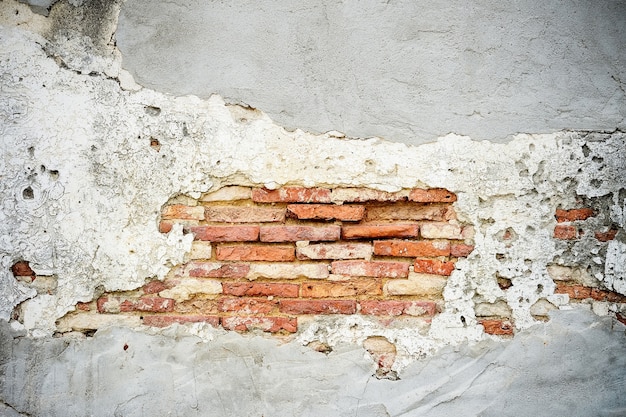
(188, 287)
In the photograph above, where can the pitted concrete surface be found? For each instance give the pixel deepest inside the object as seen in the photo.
(405, 70)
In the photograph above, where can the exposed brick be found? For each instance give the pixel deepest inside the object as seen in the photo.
(360, 195)
(573, 214)
(413, 248)
(326, 212)
(328, 289)
(291, 195)
(183, 212)
(164, 321)
(216, 270)
(441, 230)
(296, 233)
(459, 250)
(334, 251)
(398, 307)
(256, 253)
(153, 304)
(83, 306)
(247, 305)
(254, 289)
(417, 285)
(564, 232)
(165, 226)
(380, 231)
(226, 233)
(577, 292)
(497, 327)
(154, 287)
(610, 296)
(266, 324)
(231, 193)
(318, 306)
(621, 318)
(22, 269)
(409, 211)
(106, 304)
(186, 288)
(606, 236)
(433, 195)
(200, 250)
(227, 214)
(198, 305)
(288, 271)
(433, 266)
(382, 269)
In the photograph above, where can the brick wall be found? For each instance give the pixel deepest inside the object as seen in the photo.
(267, 259)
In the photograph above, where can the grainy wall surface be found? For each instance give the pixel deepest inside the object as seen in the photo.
(180, 255)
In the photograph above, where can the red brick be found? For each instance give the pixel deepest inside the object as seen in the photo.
(327, 289)
(226, 233)
(621, 318)
(22, 269)
(165, 226)
(326, 212)
(83, 306)
(380, 231)
(251, 289)
(296, 233)
(154, 287)
(606, 236)
(164, 321)
(153, 304)
(497, 327)
(410, 211)
(577, 292)
(433, 195)
(318, 306)
(247, 305)
(433, 266)
(291, 195)
(460, 250)
(610, 296)
(565, 232)
(256, 253)
(335, 251)
(229, 214)
(412, 248)
(573, 214)
(266, 324)
(182, 212)
(398, 307)
(381, 269)
(216, 270)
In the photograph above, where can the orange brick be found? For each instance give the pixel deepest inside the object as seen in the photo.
(382, 269)
(412, 248)
(326, 212)
(460, 250)
(291, 195)
(296, 233)
(359, 195)
(606, 236)
(577, 292)
(226, 233)
(497, 327)
(433, 266)
(182, 212)
(318, 306)
(164, 321)
(228, 214)
(573, 214)
(610, 296)
(409, 211)
(326, 289)
(397, 308)
(564, 232)
(380, 231)
(266, 324)
(433, 195)
(256, 253)
(263, 289)
(154, 287)
(247, 305)
(22, 269)
(216, 270)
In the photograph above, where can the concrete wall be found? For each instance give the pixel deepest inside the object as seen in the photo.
(95, 146)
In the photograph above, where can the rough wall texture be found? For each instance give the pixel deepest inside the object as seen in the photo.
(107, 184)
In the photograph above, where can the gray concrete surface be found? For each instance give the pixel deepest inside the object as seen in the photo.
(404, 70)
(574, 365)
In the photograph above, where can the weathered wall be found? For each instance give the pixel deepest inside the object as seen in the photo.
(92, 161)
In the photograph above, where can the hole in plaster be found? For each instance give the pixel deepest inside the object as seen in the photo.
(528, 262)
(42, 168)
(320, 347)
(539, 288)
(504, 283)
(125, 346)
(531, 147)
(54, 174)
(155, 144)
(596, 183)
(152, 110)
(185, 130)
(31, 151)
(500, 256)
(597, 159)
(586, 150)
(28, 193)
